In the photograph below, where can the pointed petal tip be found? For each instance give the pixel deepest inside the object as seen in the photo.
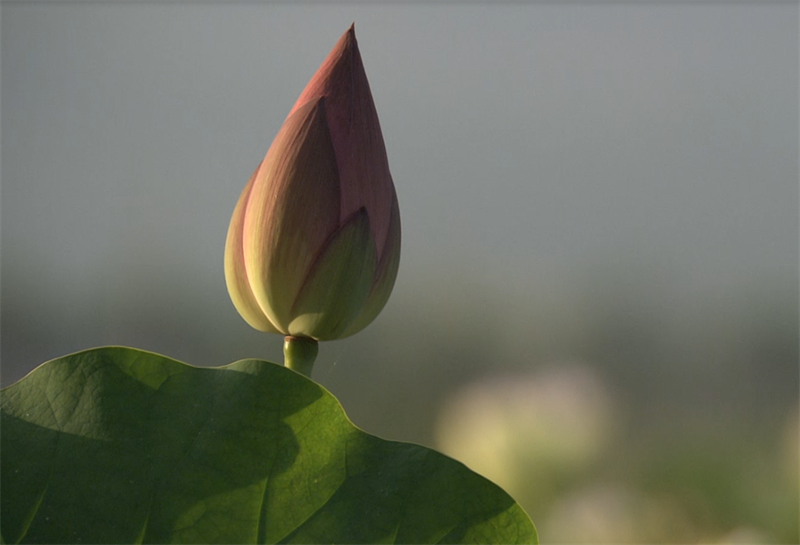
(349, 37)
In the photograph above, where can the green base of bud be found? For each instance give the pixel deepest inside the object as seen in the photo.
(299, 354)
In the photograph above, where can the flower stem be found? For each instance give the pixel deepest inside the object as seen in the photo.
(299, 354)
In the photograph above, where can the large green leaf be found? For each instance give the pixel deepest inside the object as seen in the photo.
(115, 445)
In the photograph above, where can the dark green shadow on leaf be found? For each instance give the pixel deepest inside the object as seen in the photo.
(116, 445)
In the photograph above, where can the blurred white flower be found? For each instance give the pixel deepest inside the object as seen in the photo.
(524, 431)
(614, 513)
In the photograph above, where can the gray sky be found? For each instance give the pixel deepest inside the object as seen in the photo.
(524, 141)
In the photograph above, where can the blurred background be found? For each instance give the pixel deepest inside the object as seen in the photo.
(597, 303)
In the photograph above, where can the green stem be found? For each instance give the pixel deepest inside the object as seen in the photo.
(299, 354)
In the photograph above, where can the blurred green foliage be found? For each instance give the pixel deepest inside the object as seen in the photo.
(700, 383)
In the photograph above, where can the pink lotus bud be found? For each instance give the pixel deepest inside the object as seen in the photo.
(314, 242)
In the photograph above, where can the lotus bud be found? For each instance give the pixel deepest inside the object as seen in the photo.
(314, 242)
